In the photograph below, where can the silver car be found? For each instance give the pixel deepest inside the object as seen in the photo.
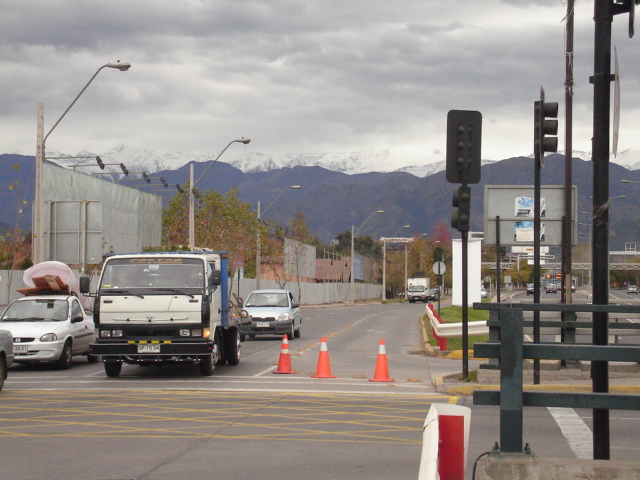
(273, 312)
(49, 329)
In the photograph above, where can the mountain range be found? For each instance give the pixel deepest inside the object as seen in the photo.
(342, 190)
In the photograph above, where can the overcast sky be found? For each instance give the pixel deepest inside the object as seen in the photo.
(297, 76)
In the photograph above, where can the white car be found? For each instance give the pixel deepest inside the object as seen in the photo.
(50, 328)
(272, 312)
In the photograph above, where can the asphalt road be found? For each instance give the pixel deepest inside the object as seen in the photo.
(245, 422)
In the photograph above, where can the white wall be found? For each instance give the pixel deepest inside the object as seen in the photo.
(474, 257)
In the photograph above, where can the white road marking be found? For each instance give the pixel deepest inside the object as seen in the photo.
(577, 433)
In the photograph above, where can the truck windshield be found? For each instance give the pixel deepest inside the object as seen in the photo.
(151, 273)
(36, 310)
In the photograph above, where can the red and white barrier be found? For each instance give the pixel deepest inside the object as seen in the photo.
(445, 442)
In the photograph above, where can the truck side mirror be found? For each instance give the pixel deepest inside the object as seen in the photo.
(85, 285)
(216, 277)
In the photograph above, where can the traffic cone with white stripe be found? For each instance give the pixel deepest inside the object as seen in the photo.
(284, 363)
(382, 368)
(324, 367)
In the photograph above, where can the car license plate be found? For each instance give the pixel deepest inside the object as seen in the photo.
(149, 348)
(262, 324)
(21, 349)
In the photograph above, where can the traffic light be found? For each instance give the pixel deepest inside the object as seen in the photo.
(544, 129)
(462, 200)
(464, 135)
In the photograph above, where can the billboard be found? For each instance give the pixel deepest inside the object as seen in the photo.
(510, 208)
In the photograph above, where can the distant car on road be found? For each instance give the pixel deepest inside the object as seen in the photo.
(273, 312)
(632, 289)
(530, 288)
(483, 293)
(551, 288)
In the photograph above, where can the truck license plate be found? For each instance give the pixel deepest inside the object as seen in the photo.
(148, 348)
(262, 324)
(20, 349)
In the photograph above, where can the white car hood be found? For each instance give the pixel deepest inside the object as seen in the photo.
(32, 329)
(263, 312)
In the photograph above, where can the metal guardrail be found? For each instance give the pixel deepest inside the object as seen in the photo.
(511, 351)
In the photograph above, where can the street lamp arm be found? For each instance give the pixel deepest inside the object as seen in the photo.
(294, 187)
(239, 140)
(363, 223)
(120, 66)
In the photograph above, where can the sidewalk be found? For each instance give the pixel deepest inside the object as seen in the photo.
(446, 371)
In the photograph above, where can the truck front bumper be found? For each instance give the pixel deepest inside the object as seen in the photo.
(151, 349)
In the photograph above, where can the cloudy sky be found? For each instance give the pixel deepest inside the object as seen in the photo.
(297, 76)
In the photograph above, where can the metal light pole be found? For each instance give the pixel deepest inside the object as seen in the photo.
(384, 263)
(37, 247)
(259, 215)
(406, 262)
(192, 185)
(352, 296)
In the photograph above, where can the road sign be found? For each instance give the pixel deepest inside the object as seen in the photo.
(439, 268)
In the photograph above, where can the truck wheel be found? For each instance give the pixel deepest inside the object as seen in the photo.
(3, 372)
(112, 369)
(208, 362)
(64, 362)
(232, 346)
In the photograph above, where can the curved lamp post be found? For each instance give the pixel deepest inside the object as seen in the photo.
(352, 294)
(406, 262)
(384, 262)
(37, 249)
(192, 185)
(259, 215)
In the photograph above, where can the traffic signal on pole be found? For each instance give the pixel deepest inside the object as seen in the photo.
(464, 135)
(545, 127)
(462, 201)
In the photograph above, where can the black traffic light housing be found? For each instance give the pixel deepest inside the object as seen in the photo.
(464, 135)
(460, 218)
(545, 127)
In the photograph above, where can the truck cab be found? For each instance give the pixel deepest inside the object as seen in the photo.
(173, 307)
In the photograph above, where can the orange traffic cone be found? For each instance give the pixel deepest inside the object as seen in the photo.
(382, 369)
(324, 368)
(284, 364)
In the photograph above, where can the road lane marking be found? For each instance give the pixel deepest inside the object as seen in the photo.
(575, 431)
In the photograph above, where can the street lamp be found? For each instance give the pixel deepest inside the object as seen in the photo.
(259, 215)
(406, 261)
(384, 262)
(353, 254)
(192, 185)
(37, 249)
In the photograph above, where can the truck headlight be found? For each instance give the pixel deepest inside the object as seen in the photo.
(48, 337)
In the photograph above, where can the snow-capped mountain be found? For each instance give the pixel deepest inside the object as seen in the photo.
(239, 156)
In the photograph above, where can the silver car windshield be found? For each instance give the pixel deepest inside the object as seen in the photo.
(36, 310)
(267, 300)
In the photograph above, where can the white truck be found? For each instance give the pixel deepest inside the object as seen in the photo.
(417, 289)
(170, 307)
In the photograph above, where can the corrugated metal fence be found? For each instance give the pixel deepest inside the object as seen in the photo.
(308, 293)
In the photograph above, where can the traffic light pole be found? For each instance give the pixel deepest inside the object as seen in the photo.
(465, 305)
